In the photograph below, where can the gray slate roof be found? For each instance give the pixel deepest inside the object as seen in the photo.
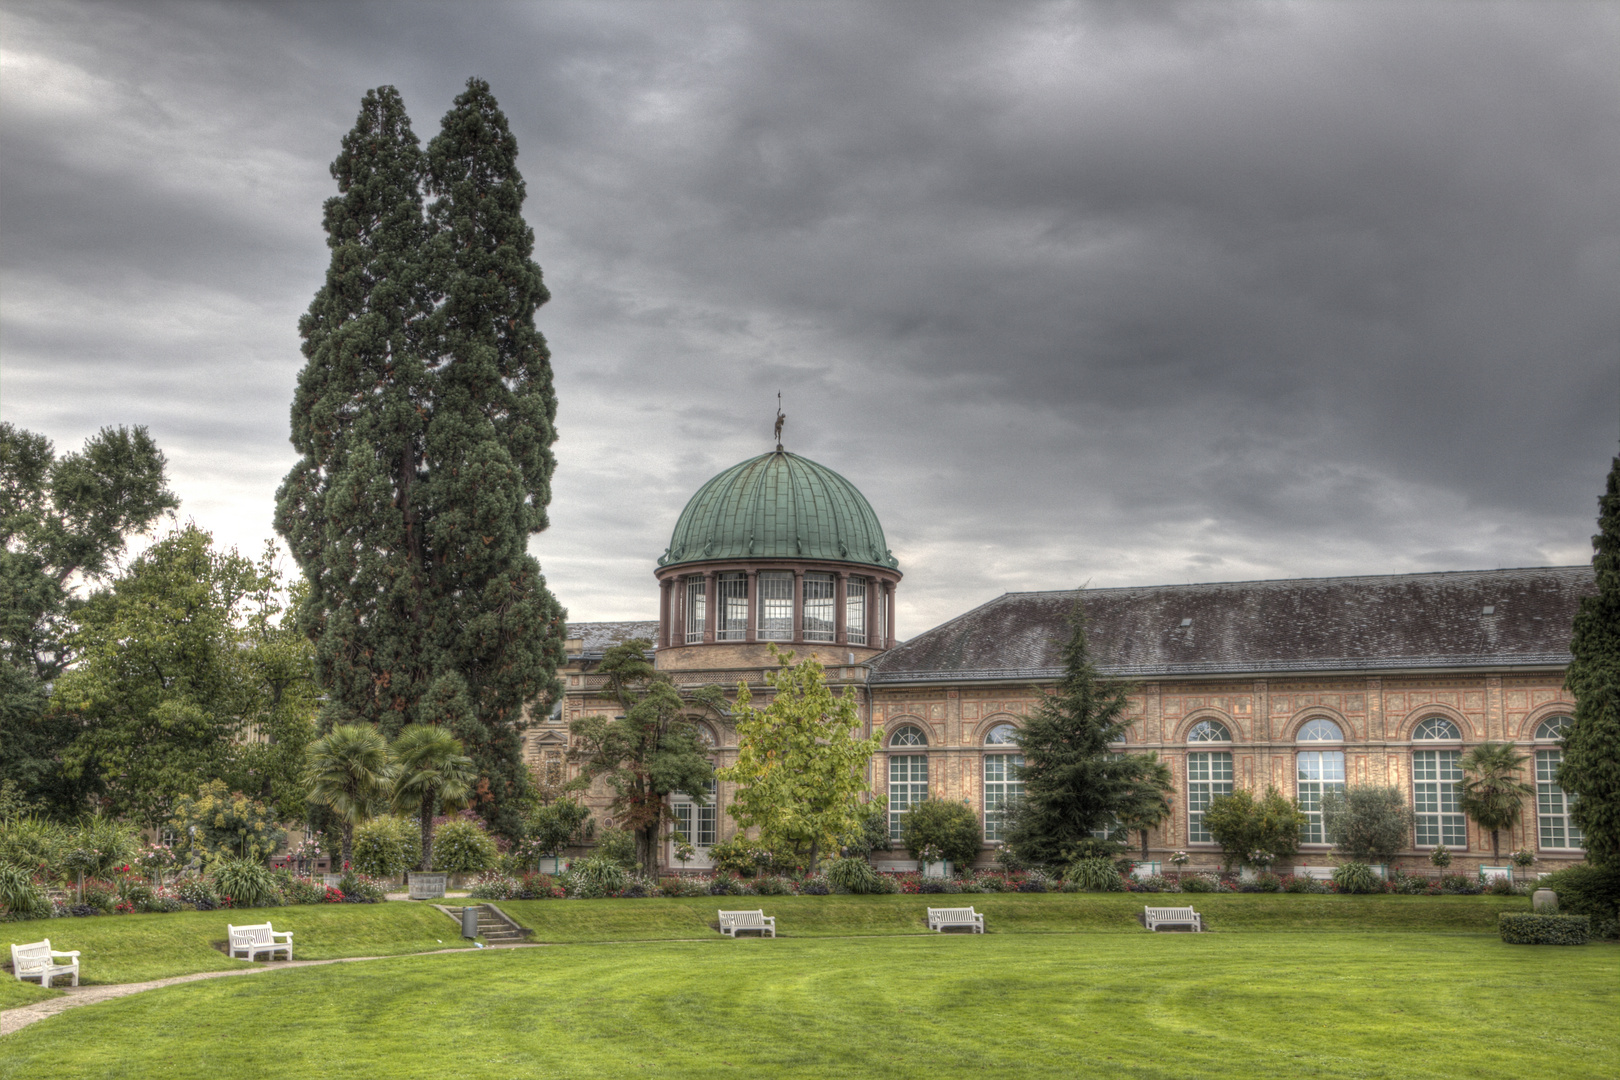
(1254, 627)
(598, 637)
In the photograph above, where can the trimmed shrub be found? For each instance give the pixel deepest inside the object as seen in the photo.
(1200, 883)
(1095, 875)
(1587, 890)
(1358, 878)
(854, 876)
(1521, 928)
(247, 883)
(386, 846)
(463, 847)
(942, 828)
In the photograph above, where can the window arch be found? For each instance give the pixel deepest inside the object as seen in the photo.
(908, 735)
(1320, 729)
(1552, 728)
(1209, 731)
(1437, 727)
(1002, 735)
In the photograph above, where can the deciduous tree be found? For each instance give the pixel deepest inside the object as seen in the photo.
(1146, 801)
(801, 768)
(1368, 823)
(1243, 825)
(1591, 767)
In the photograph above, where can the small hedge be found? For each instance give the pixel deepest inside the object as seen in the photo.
(1523, 929)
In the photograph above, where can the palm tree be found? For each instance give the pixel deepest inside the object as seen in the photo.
(350, 770)
(433, 774)
(1148, 789)
(1492, 793)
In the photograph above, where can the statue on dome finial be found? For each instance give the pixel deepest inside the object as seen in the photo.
(780, 416)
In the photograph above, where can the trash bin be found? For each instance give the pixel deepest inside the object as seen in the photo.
(469, 921)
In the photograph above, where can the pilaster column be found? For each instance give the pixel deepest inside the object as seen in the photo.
(752, 633)
(677, 631)
(798, 605)
(888, 635)
(840, 615)
(711, 598)
(664, 628)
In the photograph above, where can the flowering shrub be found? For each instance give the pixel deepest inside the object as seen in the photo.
(1207, 883)
(101, 895)
(495, 886)
(359, 889)
(153, 859)
(682, 886)
(1302, 883)
(770, 885)
(1153, 883)
(1440, 856)
(728, 885)
(815, 885)
(1460, 885)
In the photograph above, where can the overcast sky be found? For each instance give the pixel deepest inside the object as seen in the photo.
(1118, 293)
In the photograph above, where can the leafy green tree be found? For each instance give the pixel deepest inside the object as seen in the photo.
(351, 773)
(651, 750)
(1590, 771)
(554, 826)
(218, 824)
(424, 419)
(1491, 792)
(1243, 824)
(385, 846)
(801, 768)
(1073, 783)
(463, 847)
(433, 775)
(158, 693)
(63, 524)
(942, 828)
(1146, 800)
(1367, 823)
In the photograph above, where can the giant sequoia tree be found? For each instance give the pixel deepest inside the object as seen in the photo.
(1591, 767)
(425, 418)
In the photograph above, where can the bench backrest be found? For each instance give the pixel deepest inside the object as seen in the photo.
(1170, 912)
(953, 913)
(31, 957)
(750, 918)
(257, 933)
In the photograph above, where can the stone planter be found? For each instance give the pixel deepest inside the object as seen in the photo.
(1544, 902)
(427, 886)
(331, 881)
(941, 869)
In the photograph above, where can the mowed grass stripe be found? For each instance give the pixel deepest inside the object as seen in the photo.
(1009, 913)
(1364, 1005)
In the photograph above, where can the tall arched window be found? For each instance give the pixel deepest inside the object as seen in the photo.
(1318, 772)
(1209, 775)
(1435, 780)
(1557, 829)
(908, 774)
(1002, 782)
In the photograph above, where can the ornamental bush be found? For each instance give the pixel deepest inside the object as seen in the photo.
(221, 824)
(770, 885)
(1460, 885)
(20, 896)
(1358, 878)
(463, 847)
(386, 846)
(683, 886)
(1587, 890)
(1522, 928)
(492, 886)
(597, 876)
(247, 883)
(618, 845)
(35, 844)
(853, 876)
(941, 827)
(198, 891)
(1095, 875)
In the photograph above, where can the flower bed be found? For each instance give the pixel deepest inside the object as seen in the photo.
(129, 892)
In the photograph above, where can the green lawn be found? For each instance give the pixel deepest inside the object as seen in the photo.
(1011, 913)
(1245, 1005)
(134, 948)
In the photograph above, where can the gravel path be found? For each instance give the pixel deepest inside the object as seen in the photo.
(74, 996)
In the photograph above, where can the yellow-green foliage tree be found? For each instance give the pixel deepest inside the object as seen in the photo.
(801, 769)
(219, 823)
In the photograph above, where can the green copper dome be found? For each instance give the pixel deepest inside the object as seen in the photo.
(778, 506)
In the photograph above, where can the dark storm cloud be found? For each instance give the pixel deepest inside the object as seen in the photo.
(1114, 292)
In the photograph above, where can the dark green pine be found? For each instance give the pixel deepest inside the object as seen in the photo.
(1591, 767)
(350, 509)
(499, 639)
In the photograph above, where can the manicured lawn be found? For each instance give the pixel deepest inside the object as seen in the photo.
(1173, 1005)
(1009, 913)
(134, 948)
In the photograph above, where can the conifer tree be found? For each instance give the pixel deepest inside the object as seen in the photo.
(1073, 783)
(425, 417)
(1591, 768)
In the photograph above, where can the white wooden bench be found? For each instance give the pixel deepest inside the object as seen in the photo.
(37, 960)
(248, 942)
(1173, 916)
(733, 921)
(941, 917)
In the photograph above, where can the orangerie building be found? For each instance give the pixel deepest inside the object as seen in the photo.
(1306, 684)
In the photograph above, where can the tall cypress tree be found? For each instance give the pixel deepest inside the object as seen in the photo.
(1591, 768)
(425, 417)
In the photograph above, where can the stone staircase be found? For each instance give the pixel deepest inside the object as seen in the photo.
(492, 927)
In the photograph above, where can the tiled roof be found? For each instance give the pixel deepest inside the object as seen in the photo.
(1311, 624)
(598, 637)
(778, 506)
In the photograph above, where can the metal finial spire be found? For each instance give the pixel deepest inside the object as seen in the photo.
(780, 416)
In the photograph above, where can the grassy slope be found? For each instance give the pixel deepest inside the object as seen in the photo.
(837, 916)
(133, 948)
(1332, 1005)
